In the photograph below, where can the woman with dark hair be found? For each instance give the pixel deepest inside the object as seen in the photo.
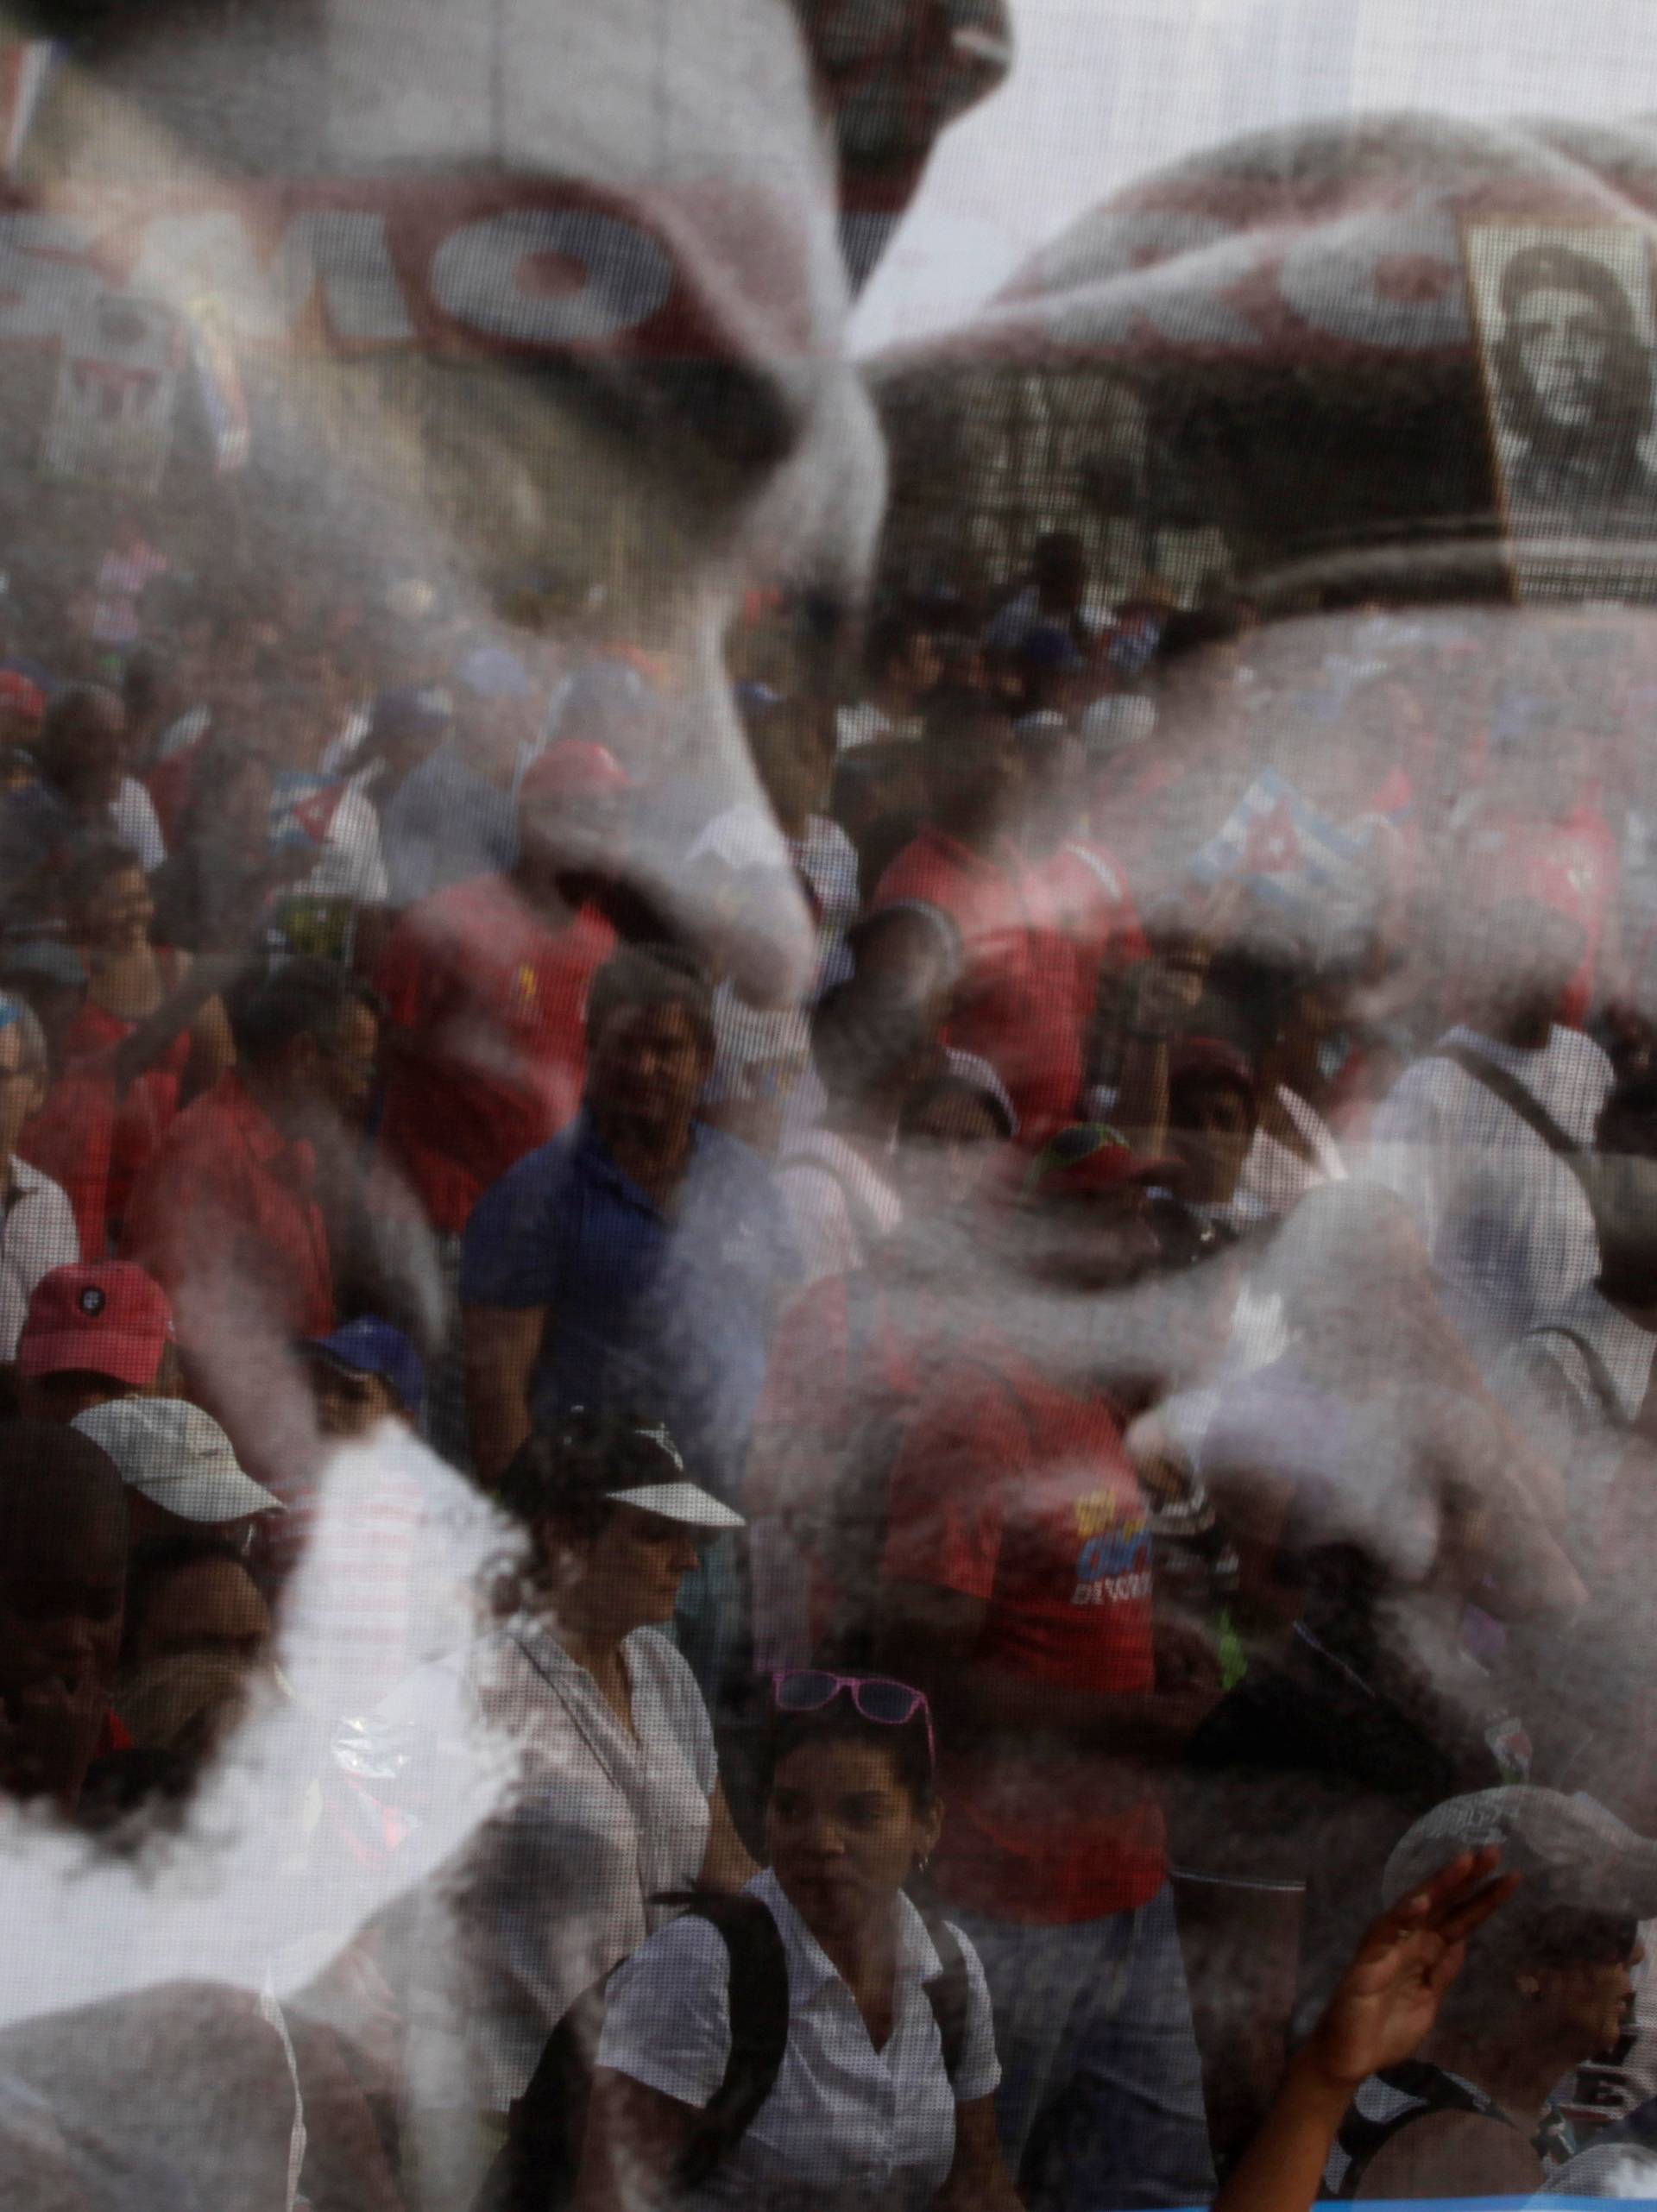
(618, 1798)
(884, 2094)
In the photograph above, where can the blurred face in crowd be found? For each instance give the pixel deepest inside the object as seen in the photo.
(349, 1402)
(62, 1595)
(346, 1062)
(844, 1832)
(626, 1577)
(645, 1073)
(244, 818)
(86, 749)
(948, 1144)
(209, 1606)
(22, 1084)
(974, 775)
(1586, 2000)
(1210, 1128)
(116, 918)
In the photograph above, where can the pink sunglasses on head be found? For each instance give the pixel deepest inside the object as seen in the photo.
(875, 1697)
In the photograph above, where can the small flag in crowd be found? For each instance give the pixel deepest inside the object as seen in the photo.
(1276, 840)
(303, 808)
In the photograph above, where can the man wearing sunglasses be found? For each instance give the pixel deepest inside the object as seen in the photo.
(1019, 1595)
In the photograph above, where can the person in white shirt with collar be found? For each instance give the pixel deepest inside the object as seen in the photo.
(37, 1229)
(866, 2110)
(616, 1797)
(1576, 1382)
(1475, 1135)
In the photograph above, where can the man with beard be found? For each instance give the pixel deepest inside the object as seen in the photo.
(1574, 381)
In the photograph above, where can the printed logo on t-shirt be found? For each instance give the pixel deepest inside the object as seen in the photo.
(1113, 1565)
(525, 993)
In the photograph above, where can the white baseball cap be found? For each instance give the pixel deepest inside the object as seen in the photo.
(178, 1457)
(1570, 1847)
(683, 1500)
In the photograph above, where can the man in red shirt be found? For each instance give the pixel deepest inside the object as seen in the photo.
(1018, 1595)
(486, 983)
(225, 1216)
(1017, 992)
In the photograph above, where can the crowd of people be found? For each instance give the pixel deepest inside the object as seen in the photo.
(1062, 1304)
(826, 1375)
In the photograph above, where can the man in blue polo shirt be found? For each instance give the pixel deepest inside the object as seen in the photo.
(639, 1251)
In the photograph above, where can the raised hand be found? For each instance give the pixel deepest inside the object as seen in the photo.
(1390, 1995)
(1387, 2002)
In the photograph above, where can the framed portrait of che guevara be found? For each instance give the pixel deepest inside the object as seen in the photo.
(1565, 322)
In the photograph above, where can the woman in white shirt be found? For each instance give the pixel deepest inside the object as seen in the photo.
(617, 1797)
(864, 2111)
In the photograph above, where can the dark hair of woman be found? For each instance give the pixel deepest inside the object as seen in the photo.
(906, 1745)
(568, 1471)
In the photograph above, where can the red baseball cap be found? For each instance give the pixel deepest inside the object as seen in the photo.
(109, 1317)
(21, 696)
(574, 768)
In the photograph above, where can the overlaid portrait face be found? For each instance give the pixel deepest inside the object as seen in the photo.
(1565, 341)
(1564, 328)
(930, 963)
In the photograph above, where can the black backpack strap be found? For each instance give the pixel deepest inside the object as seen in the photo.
(1501, 1084)
(758, 2004)
(1428, 2090)
(948, 1991)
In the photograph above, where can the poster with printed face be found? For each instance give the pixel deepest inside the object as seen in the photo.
(111, 419)
(1566, 330)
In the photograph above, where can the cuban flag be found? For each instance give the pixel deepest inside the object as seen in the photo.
(1277, 842)
(26, 68)
(303, 807)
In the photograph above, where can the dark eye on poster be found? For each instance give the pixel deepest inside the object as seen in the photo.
(1566, 328)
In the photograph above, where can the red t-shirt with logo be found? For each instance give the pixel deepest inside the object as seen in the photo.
(1012, 1490)
(492, 1005)
(1015, 1000)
